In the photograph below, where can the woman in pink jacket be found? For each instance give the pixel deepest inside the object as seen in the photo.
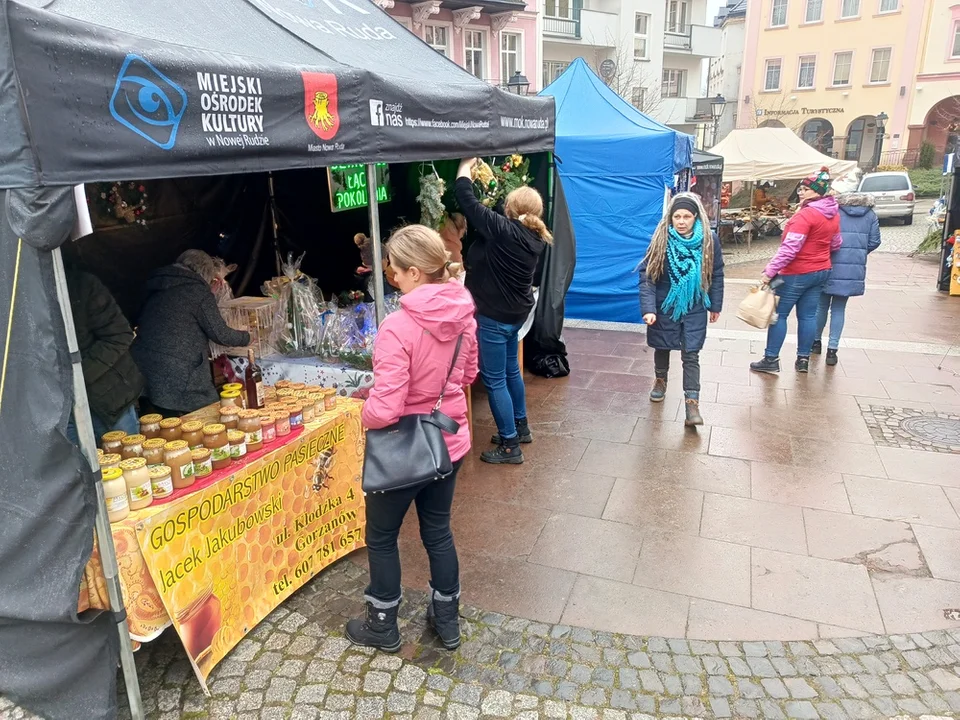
(412, 355)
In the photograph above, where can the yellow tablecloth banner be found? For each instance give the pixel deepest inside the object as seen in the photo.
(216, 562)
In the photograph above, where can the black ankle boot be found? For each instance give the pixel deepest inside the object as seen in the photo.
(803, 364)
(443, 615)
(379, 629)
(523, 432)
(832, 357)
(817, 347)
(767, 365)
(507, 453)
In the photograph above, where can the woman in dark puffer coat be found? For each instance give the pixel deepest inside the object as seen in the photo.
(860, 230)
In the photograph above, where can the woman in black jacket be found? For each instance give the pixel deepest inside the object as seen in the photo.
(501, 262)
(179, 319)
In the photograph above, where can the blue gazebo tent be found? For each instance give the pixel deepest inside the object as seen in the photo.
(616, 165)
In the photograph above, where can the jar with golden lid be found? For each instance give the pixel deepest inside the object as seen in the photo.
(296, 415)
(153, 451)
(297, 386)
(251, 427)
(191, 432)
(110, 460)
(230, 398)
(170, 429)
(132, 446)
(282, 422)
(115, 492)
(202, 462)
(160, 481)
(199, 622)
(284, 392)
(230, 417)
(316, 397)
(112, 442)
(215, 440)
(137, 478)
(309, 411)
(232, 387)
(269, 427)
(281, 384)
(238, 444)
(178, 458)
(150, 426)
(329, 399)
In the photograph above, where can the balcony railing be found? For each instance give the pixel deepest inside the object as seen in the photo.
(679, 40)
(568, 27)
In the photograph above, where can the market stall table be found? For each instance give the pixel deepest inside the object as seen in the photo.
(215, 558)
(347, 381)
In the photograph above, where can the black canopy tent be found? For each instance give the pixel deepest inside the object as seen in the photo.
(138, 91)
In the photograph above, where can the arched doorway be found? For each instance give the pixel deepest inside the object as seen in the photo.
(772, 123)
(942, 127)
(818, 134)
(861, 144)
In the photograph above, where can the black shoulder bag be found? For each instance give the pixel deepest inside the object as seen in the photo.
(412, 451)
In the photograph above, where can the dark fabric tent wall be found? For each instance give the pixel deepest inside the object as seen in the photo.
(141, 90)
(616, 165)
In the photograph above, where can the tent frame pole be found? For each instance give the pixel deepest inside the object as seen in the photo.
(374, 208)
(88, 445)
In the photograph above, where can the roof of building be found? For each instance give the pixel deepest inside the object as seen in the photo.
(733, 9)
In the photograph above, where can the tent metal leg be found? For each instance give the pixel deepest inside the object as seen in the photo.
(88, 445)
(374, 205)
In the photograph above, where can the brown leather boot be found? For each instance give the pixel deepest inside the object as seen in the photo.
(693, 413)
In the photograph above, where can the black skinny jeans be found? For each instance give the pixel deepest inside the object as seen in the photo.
(691, 369)
(385, 513)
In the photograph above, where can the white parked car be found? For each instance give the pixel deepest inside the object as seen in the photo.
(893, 194)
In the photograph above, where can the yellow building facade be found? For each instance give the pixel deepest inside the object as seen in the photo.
(828, 68)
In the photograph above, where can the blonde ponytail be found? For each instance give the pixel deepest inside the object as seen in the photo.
(526, 205)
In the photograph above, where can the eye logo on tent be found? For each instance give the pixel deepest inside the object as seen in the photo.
(320, 104)
(147, 102)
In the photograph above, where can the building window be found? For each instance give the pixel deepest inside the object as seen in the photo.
(436, 37)
(473, 59)
(814, 11)
(558, 9)
(880, 65)
(771, 80)
(678, 14)
(511, 55)
(778, 13)
(673, 83)
(638, 97)
(842, 64)
(850, 8)
(641, 37)
(807, 72)
(956, 40)
(552, 69)
(889, 5)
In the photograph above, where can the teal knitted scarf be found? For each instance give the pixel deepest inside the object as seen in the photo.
(685, 270)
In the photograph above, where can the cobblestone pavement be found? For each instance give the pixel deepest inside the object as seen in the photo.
(298, 665)
(913, 429)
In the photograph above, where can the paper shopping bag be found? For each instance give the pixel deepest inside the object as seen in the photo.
(759, 307)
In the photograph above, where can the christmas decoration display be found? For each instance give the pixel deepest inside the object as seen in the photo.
(296, 330)
(125, 201)
(432, 212)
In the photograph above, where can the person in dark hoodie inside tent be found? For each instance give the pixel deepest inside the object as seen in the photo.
(179, 319)
(803, 264)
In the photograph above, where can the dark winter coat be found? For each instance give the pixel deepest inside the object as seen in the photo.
(179, 319)
(104, 337)
(691, 332)
(861, 236)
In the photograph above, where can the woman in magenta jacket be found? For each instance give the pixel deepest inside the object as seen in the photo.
(411, 358)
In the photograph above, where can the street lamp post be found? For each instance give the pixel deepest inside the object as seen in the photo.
(717, 105)
(518, 83)
(881, 126)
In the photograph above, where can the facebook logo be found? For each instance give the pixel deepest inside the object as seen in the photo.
(377, 118)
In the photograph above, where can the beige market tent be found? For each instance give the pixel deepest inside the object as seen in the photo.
(773, 154)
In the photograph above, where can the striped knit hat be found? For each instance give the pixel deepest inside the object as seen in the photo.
(819, 183)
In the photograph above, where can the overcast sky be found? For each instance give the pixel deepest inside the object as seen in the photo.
(712, 7)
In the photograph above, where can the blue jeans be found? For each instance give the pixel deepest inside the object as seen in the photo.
(802, 292)
(500, 369)
(836, 305)
(128, 422)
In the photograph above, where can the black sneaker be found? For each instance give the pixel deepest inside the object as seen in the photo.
(507, 453)
(817, 348)
(378, 630)
(767, 365)
(803, 364)
(523, 432)
(832, 357)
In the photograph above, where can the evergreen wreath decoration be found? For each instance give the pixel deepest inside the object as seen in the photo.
(125, 201)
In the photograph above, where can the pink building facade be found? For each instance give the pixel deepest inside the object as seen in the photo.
(491, 39)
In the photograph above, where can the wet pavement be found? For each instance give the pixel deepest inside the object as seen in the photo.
(795, 557)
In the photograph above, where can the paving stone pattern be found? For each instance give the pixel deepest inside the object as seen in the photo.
(297, 665)
(913, 429)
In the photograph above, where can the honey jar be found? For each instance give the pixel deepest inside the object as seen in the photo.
(238, 444)
(178, 458)
(215, 440)
(112, 442)
(137, 478)
(160, 481)
(202, 464)
(250, 426)
(153, 452)
(115, 492)
(229, 417)
(170, 429)
(150, 426)
(192, 434)
(132, 447)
